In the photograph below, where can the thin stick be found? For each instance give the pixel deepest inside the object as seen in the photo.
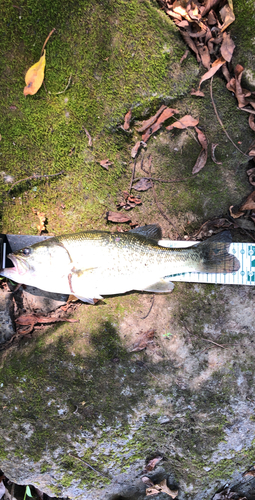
(62, 91)
(162, 180)
(49, 35)
(34, 177)
(88, 465)
(152, 302)
(220, 122)
(212, 342)
(132, 178)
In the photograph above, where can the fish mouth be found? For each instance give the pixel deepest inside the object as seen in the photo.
(19, 265)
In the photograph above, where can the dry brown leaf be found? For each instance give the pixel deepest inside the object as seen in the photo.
(143, 185)
(42, 219)
(202, 157)
(174, 15)
(135, 149)
(30, 320)
(34, 76)
(117, 217)
(167, 113)
(211, 18)
(212, 227)
(251, 176)
(165, 489)
(147, 123)
(151, 130)
(198, 93)
(226, 72)
(127, 120)
(161, 487)
(145, 339)
(215, 67)
(238, 88)
(248, 204)
(227, 15)
(147, 480)
(210, 4)
(227, 47)
(187, 38)
(105, 164)
(201, 161)
(201, 137)
(205, 56)
(152, 463)
(236, 213)
(186, 53)
(184, 122)
(88, 136)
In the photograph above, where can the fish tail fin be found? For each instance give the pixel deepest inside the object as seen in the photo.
(214, 255)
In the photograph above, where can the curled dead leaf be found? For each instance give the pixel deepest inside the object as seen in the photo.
(198, 93)
(202, 157)
(135, 149)
(127, 120)
(227, 15)
(151, 130)
(201, 137)
(42, 220)
(35, 76)
(117, 217)
(105, 164)
(145, 339)
(215, 67)
(152, 463)
(143, 185)
(147, 123)
(227, 47)
(249, 203)
(213, 147)
(251, 176)
(235, 213)
(184, 122)
(251, 121)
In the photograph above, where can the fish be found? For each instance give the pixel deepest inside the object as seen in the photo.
(92, 264)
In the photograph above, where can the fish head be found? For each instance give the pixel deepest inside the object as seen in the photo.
(39, 264)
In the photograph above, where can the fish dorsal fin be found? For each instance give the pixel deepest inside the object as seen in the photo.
(151, 232)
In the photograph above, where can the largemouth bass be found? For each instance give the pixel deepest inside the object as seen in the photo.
(96, 263)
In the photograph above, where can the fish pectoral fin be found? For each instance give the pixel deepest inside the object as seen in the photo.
(161, 286)
(80, 272)
(88, 299)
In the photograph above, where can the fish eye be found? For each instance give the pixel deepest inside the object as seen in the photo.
(26, 251)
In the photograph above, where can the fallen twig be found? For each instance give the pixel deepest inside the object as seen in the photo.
(62, 91)
(132, 177)
(35, 177)
(212, 342)
(88, 136)
(88, 465)
(152, 302)
(220, 122)
(49, 35)
(162, 180)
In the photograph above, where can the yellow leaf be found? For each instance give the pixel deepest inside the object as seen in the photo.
(34, 76)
